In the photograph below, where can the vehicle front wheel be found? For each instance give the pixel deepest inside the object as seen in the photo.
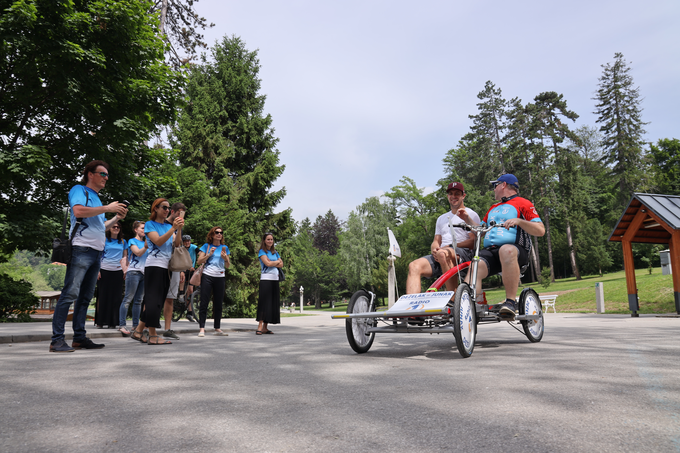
(464, 320)
(357, 328)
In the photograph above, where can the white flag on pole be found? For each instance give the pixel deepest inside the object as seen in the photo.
(394, 245)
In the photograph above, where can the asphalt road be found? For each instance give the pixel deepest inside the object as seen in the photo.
(595, 383)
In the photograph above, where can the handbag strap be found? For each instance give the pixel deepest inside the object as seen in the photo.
(173, 240)
(79, 220)
(63, 226)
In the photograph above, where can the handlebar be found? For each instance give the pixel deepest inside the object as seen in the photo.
(477, 228)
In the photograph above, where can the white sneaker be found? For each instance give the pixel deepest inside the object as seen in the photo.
(201, 334)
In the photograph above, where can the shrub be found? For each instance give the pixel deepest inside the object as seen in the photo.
(16, 299)
(544, 279)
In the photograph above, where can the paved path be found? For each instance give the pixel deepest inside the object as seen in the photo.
(595, 383)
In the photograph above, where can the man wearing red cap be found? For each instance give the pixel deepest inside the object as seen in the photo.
(508, 248)
(444, 256)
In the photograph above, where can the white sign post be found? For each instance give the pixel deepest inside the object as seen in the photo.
(302, 301)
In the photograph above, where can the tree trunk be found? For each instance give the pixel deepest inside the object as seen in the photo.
(164, 15)
(572, 253)
(546, 215)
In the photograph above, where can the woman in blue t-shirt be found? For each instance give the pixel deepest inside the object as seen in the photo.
(214, 256)
(156, 277)
(268, 303)
(134, 278)
(111, 277)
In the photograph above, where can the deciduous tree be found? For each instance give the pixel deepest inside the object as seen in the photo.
(80, 81)
(182, 26)
(665, 157)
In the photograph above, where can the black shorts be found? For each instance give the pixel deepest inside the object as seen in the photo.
(187, 276)
(463, 256)
(493, 263)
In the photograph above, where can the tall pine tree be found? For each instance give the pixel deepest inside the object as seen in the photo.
(620, 115)
(224, 133)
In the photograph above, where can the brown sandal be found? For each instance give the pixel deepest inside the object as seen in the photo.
(141, 338)
(156, 343)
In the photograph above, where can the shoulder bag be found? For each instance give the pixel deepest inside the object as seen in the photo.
(196, 278)
(180, 260)
(61, 247)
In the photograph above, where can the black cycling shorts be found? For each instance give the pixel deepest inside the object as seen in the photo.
(493, 263)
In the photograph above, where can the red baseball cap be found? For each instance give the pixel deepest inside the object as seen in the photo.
(455, 185)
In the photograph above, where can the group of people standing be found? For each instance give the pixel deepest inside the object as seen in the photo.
(101, 254)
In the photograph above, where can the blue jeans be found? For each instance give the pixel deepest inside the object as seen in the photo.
(134, 290)
(79, 283)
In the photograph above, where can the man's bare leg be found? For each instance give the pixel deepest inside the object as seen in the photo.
(167, 313)
(416, 270)
(446, 257)
(508, 257)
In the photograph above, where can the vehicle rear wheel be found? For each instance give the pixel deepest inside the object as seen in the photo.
(464, 320)
(357, 328)
(530, 304)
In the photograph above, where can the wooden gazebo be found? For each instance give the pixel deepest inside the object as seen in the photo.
(653, 219)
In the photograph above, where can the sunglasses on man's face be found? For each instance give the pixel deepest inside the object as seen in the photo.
(103, 174)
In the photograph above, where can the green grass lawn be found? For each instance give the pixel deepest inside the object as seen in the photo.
(655, 292)
(292, 315)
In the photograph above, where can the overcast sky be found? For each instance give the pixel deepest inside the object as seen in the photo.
(365, 92)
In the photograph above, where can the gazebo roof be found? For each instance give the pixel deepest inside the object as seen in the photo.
(655, 208)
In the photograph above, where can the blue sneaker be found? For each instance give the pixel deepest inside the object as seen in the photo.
(508, 310)
(60, 346)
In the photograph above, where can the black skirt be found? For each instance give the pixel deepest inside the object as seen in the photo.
(156, 286)
(268, 303)
(110, 295)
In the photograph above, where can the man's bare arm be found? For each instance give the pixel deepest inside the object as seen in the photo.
(89, 211)
(533, 228)
(436, 244)
(469, 243)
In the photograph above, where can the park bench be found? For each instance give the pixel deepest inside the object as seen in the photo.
(548, 301)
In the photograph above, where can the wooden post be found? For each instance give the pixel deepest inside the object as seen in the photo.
(674, 247)
(631, 285)
(628, 262)
(391, 282)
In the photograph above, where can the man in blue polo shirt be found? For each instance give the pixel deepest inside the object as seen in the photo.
(507, 249)
(88, 244)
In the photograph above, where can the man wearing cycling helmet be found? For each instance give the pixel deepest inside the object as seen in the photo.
(186, 240)
(507, 249)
